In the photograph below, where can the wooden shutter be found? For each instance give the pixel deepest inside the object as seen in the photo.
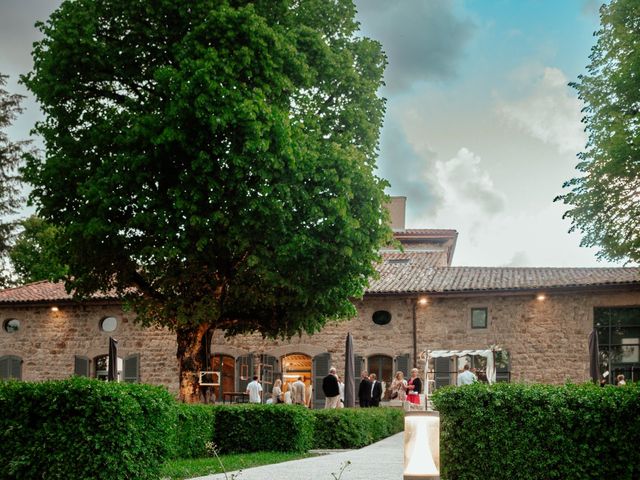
(402, 365)
(443, 373)
(132, 368)
(246, 360)
(10, 367)
(321, 366)
(357, 372)
(81, 366)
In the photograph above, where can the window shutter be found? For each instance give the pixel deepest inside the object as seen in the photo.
(402, 365)
(357, 372)
(246, 360)
(81, 366)
(443, 373)
(268, 374)
(132, 368)
(321, 366)
(10, 368)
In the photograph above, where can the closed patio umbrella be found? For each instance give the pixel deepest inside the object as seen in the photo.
(349, 374)
(594, 356)
(112, 368)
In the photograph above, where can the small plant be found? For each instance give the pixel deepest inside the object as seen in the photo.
(212, 451)
(343, 467)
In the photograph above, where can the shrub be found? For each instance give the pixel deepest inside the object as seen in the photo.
(81, 428)
(355, 427)
(194, 428)
(252, 428)
(539, 432)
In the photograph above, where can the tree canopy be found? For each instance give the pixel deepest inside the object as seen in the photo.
(605, 200)
(35, 252)
(217, 155)
(10, 159)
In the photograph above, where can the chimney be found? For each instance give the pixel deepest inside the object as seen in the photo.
(396, 208)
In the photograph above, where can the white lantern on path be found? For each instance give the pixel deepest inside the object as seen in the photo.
(421, 445)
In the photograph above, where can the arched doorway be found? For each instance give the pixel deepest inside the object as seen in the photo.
(295, 365)
(226, 365)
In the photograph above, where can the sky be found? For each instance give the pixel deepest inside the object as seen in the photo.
(481, 128)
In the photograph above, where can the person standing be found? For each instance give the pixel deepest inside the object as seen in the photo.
(254, 389)
(399, 387)
(341, 387)
(466, 377)
(276, 394)
(376, 390)
(331, 389)
(297, 392)
(414, 388)
(364, 391)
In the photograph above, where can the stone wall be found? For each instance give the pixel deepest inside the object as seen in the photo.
(547, 340)
(48, 342)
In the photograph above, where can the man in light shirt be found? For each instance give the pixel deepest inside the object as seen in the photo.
(254, 389)
(466, 377)
(297, 392)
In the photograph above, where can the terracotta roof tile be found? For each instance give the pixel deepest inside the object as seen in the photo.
(413, 272)
(477, 279)
(43, 291)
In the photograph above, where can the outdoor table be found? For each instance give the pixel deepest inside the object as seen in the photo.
(240, 397)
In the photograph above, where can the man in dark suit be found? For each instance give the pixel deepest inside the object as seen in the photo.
(376, 390)
(364, 391)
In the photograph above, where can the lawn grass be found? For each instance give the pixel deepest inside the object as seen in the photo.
(197, 467)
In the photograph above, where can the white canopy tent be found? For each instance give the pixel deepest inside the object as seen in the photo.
(489, 354)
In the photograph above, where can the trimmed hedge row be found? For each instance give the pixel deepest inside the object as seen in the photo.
(194, 429)
(81, 428)
(530, 432)
(355, 427)
(253, 428)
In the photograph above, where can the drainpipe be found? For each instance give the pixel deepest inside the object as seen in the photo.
(415, 333)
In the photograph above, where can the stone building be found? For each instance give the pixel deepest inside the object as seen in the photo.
(540, 318)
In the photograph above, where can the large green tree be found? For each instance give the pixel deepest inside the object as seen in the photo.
(605, 199)
(35, 253)
(10, 159)
(217, 156)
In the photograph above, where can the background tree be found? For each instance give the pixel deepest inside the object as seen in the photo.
(35, 252)
(216, 155)
(10, 158)
(605, 200)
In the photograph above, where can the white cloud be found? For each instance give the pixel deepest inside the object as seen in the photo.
(549, 111)
(467, 185)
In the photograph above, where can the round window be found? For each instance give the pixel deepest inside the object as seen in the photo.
(12, 325)
(108, 324)
(381, 317)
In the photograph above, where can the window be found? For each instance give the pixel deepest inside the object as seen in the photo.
(102, 367)
(479, 317)
(381, 317)
(12, 325)
(10, 367)
(382, 366)
(108, 324)
(619, 341)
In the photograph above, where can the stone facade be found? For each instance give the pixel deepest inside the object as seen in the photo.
(546, 339)
(48, 341)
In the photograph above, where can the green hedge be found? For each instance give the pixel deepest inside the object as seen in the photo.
(81, 428)
(355, 427)
(539, 432)
(195, 425)
(252, 428)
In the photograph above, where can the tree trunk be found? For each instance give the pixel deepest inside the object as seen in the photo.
(191, 356)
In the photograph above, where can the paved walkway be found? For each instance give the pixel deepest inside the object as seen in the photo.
(380, 461)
